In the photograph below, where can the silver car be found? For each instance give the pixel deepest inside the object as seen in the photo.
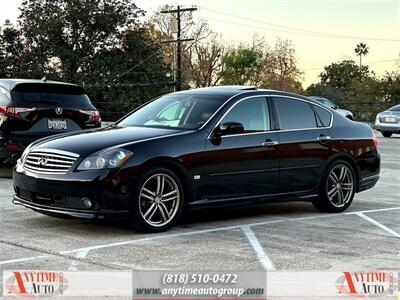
(388, 121)
(328, 103)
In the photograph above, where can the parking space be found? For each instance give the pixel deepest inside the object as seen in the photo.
(283, 236)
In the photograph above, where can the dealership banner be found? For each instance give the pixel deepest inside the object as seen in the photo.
(49, 284)
(199, 285)
(150, 285)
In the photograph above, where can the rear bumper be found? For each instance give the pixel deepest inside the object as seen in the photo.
(367, 183)
(394, 128)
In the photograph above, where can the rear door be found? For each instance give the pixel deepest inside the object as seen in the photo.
(42, 109)
(304, 143)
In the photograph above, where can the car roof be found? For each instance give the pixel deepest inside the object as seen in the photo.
(233, 90)
(10, 83)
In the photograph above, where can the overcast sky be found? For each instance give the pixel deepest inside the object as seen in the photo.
(340, 24)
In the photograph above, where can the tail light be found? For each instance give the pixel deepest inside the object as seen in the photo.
(374, 140)
(94, 114)
(13, 111)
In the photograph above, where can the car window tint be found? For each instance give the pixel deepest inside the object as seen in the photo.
(294, 114)
(253, 113)
(324, 115)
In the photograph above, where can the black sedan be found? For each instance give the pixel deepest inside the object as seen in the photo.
(201, 148)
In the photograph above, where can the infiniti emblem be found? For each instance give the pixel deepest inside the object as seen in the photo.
(43, 161)
(59, 110)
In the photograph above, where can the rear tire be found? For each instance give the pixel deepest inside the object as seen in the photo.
(337, 189)
(157, 201)
(387, 134)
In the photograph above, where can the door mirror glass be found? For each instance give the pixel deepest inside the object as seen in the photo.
(227, 128)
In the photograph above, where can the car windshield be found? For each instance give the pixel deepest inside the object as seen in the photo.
(395, 108)
(180, 111)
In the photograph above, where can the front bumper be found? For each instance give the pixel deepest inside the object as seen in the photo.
(66, 198)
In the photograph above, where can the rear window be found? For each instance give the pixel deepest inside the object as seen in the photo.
(294, 114)
(41, 94)
(395, 108)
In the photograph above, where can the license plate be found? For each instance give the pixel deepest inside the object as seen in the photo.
(390, 119)
(57, 124)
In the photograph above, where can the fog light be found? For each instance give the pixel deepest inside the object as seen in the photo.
(87, 202)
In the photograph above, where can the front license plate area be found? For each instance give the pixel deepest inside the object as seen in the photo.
(57, 124)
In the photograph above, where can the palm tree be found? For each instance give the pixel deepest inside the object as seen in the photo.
(361, 50)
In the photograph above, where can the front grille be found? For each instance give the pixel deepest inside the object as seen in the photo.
(50, 162)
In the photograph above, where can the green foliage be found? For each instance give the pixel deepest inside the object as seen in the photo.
(340, 75)
(262, 65)
(88, 42)
(240, 65)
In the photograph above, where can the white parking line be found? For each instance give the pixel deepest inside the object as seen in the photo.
(376, 223)
(74, 263)
(262, 256)
(11, 261)
(202, 231)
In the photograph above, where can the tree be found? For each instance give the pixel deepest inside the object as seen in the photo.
(262, 65)
(72, 32)
(206, 62)
(340, 75)
(361, 50)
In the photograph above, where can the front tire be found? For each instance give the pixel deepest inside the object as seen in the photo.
(157, 201)
(337, 189)
(387, 134)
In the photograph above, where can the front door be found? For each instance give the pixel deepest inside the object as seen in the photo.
(243, 165)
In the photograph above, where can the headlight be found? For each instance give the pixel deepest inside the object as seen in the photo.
(106, 160)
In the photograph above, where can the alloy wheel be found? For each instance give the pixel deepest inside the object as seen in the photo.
(159, 200)
(340, 185)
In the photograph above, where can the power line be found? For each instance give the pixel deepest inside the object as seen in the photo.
(293, 30)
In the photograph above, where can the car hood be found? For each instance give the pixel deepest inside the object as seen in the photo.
(87, 142)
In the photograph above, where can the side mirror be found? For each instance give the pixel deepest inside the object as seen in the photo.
(229, 128)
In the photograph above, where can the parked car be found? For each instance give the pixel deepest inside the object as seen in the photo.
(388, 121)
(32, 109)
(201, 148)
(328, 103)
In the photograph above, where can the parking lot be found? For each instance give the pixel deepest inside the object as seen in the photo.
(283, 236)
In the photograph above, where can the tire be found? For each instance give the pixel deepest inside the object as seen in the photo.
(337, 189)
(387, 134)
(157, 201)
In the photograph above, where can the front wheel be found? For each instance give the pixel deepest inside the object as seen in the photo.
(387, 134)
(337, 188)
(157, 201)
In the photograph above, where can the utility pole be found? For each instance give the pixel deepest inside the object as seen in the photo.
(178, 11)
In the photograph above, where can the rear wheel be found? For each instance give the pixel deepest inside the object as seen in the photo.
(157, 201)
(387, 134)
(337, 188)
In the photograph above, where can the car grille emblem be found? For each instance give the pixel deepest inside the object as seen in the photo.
(43, 161)
(59, 110)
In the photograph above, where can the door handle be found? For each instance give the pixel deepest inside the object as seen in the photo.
(269, 143)
(323, 137)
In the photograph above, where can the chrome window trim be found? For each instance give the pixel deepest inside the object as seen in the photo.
(267, 131)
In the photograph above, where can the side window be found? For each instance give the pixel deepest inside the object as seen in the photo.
(294, 114)
(324, 116)
(253, 113)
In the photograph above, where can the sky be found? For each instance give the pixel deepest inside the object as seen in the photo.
(322, 31)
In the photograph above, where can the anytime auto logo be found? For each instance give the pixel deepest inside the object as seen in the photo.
(367, 284)
(35, 283)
